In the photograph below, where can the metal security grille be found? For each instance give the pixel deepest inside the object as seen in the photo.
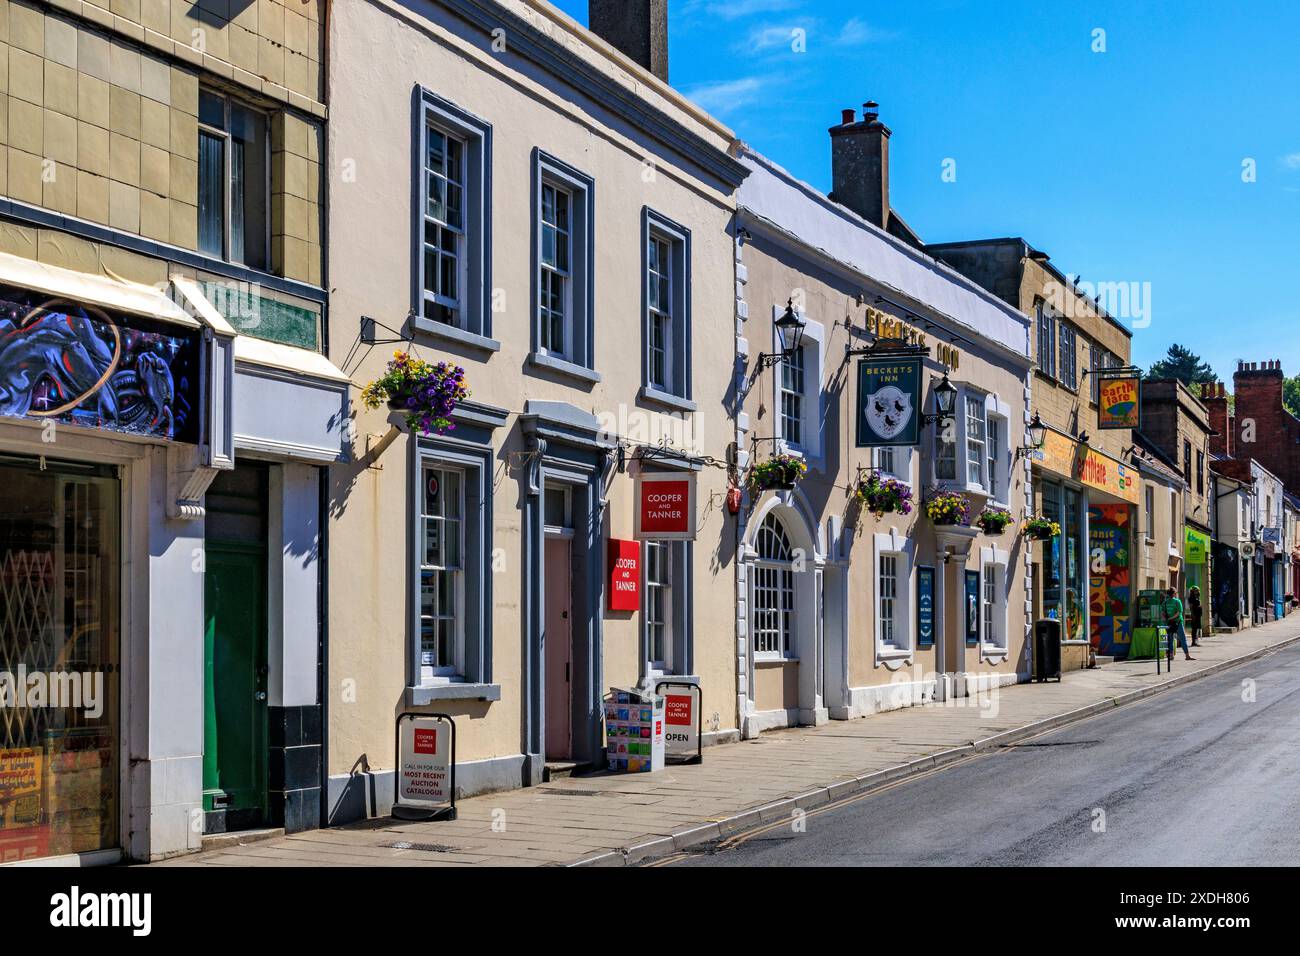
(773, 616)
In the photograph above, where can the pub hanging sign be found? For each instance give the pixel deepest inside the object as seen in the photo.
(889, 402)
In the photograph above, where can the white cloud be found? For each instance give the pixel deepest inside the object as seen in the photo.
(857, 32)
(1292, 161)
(738, 9)
(720, 98)
(767, 38)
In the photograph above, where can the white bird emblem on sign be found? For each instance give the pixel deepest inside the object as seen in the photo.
(888, 411)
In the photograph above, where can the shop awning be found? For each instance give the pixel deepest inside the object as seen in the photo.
(84, 287)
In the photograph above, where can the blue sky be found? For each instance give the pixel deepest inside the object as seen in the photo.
(1124, 165)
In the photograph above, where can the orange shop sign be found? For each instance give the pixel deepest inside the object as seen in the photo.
(1072, 459)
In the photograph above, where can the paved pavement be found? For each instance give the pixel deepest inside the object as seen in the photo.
(1204, 775)
(617, 819)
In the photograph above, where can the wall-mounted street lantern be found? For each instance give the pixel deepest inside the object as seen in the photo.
(945, 400)
(1036, 432)
(789, 329)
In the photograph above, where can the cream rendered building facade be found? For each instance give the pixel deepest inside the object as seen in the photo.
(545, 131)
(827, 594)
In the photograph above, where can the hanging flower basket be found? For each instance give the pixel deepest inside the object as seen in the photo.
(948, 508)
(883, 496)
(778, 473)
(428, 394)
(1040, 529)
(994, 521)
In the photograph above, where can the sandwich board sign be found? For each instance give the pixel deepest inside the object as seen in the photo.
(682, 743)
(426, 767)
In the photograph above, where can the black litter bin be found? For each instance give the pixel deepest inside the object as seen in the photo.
(1047, 650)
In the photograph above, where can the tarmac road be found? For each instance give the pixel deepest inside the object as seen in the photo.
(1198, 776)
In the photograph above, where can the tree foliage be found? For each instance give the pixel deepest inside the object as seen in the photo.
(1183, 364)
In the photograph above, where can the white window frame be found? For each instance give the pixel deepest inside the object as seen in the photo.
(894, 461)
(813, 353)
(901, 548)
(664, 663)
(429, 674)
(456, 305)
(557, 271)
(776, 577)
(999, 561)
(471, 311)
(994, 409)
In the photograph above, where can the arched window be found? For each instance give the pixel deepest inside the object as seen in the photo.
(773, 577)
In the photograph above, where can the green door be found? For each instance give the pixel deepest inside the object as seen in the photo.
(234, 651)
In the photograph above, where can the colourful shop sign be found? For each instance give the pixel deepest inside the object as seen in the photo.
(1195, 546)
(1065, 456)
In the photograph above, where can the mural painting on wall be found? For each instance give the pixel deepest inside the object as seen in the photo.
(81, 365)
(1110, 589)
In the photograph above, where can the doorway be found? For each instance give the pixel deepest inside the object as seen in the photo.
(557, 632)
(557, 639)
(235, 652)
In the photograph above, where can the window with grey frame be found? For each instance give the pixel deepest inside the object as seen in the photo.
(450, 587)
(234, 181)
(667, 320)
(451, 267)
(441, 571)
(563, 265)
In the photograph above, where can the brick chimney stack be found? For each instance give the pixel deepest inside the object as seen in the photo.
(1215, 398)
(637, 28)
(860, 164)
(1263, 428)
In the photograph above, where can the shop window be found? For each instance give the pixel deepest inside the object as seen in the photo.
(666, 619)
(773, 590)
(60, 574)
(234, 187)
(564, 257)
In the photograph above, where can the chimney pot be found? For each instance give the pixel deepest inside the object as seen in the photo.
(847, 117)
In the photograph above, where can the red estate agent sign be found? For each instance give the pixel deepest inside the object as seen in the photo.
(624, 575)
(426, 767)
(665, 507)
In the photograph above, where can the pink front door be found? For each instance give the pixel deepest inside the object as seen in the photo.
(557, 648)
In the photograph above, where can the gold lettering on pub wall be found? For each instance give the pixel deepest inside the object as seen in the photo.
(885, 326)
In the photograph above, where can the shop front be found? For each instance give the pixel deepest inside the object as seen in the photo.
(1082, 576)
(1197, 567)
(120, 405)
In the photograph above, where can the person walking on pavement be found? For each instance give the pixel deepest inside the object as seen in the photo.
(1174, 625)
(1194, 610)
